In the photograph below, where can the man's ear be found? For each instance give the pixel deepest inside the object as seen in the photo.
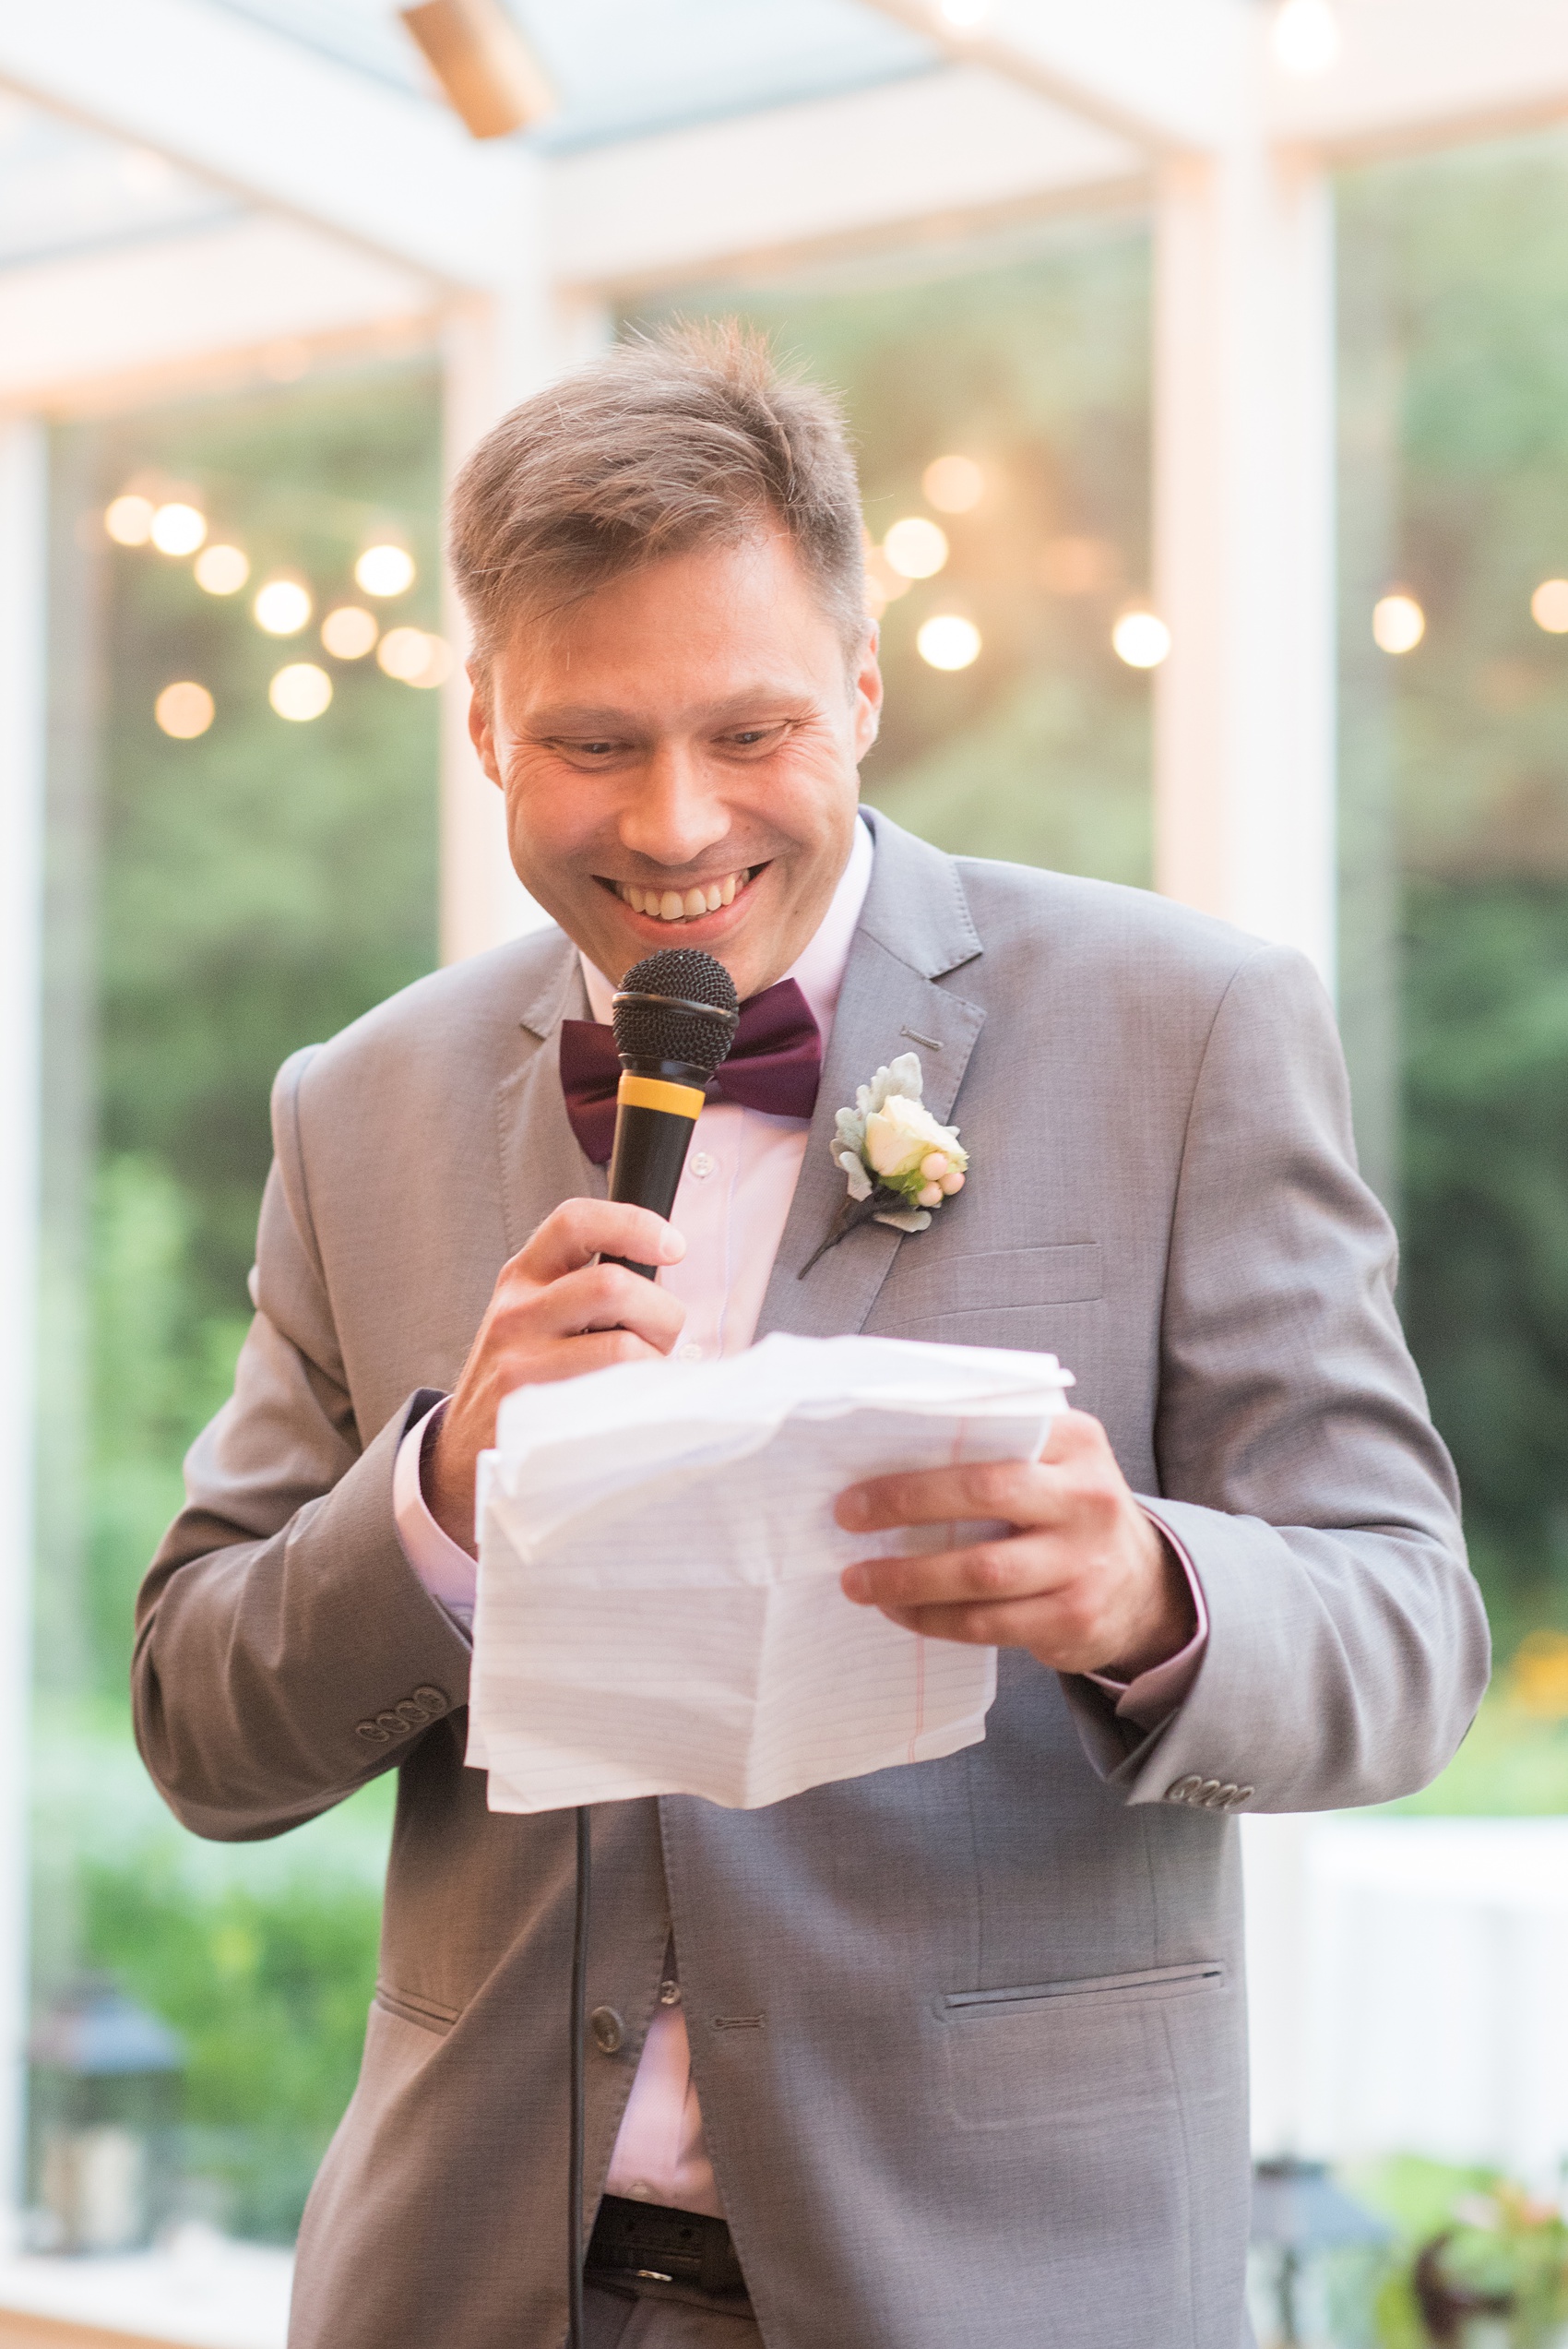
(481, 731)
(867, 693)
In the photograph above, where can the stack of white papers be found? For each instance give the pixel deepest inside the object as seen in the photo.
(660, 1609)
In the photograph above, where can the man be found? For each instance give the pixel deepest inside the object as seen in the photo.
(953, 2054)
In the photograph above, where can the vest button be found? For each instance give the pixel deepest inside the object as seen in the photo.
(608, 2030)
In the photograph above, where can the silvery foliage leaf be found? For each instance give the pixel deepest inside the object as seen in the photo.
(848, 1143)
(901, 1076)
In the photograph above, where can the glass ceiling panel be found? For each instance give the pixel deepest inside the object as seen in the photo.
(624, 67)
(64, 189)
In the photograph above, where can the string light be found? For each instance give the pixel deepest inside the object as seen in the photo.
(946, 641)
(301, 691)
(1398, 622)
(385, 570)
(952, 484)
(1141, 639)
(222, 571)
(916, 548)
(282, 607)
(184, 710)
(128, 519)
(1306, 38)
(1548, 607)
(350, 632)
(178, 528)
(414, 658)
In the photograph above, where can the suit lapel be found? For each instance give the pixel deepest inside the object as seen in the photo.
(542, 1162)
(914, 929)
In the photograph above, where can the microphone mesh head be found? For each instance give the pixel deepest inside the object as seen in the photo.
(670, 1027)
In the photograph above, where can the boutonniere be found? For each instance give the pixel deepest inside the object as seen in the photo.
(900, 1163)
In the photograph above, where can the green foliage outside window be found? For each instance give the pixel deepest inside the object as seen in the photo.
(1455, 424)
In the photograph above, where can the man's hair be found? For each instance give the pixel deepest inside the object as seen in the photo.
(691, 437)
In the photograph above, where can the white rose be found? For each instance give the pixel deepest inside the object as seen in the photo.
(903, 1132)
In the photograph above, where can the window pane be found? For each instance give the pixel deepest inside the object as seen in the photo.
(1455, 998)
(226, 883)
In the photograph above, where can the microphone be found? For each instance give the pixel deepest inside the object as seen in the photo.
(675, 1016)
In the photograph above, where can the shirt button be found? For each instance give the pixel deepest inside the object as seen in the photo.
(668, 1994)
(700, 1167)
(690, 1352)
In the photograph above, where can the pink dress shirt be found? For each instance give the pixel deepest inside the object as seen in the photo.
(731, 1207)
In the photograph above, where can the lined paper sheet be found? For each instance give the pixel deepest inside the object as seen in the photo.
(659, 1606)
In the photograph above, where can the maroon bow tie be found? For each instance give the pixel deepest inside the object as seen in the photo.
(774, 1063)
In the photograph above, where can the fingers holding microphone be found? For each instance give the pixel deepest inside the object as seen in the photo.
(557, 1312)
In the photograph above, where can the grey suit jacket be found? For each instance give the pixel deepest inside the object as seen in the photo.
(969, 2036)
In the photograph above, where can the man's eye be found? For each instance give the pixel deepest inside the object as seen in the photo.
(753, 734)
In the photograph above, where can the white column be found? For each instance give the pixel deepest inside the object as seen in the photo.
(1245, 498)
(23, 585)
(497, 350)
(1244, 552)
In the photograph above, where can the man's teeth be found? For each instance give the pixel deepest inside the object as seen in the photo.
(682, 905)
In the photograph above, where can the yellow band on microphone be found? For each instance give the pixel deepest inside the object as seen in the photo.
(656, 1093)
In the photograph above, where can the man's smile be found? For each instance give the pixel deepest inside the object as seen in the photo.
(698, 901)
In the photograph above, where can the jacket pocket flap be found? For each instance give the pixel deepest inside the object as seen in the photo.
(917, 1290)
(1156, 1982)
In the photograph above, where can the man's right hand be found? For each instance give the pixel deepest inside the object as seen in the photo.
(556, 1313)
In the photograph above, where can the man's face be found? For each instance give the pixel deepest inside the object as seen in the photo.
(686, 738)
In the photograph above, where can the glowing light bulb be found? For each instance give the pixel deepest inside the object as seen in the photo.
(301, 691)
(1141, 639)
(222, 571)
(350, 632)
(184, 710)
(917, 549)
(946, 641)
(178, 528)
(385, 570)
(282, 607)
(1306, 37)
(414, 658)
(1548, 607)
(952, 484)
(128, 519)
(1398, 622)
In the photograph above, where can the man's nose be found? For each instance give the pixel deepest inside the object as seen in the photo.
(674, 813)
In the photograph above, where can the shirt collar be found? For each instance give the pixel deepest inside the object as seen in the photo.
(819, 971)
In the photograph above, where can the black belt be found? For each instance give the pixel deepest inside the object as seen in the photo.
(660, 2246)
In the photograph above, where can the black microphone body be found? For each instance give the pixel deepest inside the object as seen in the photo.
(675, 1017)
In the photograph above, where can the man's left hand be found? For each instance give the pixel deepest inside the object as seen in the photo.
(1084, 1580)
